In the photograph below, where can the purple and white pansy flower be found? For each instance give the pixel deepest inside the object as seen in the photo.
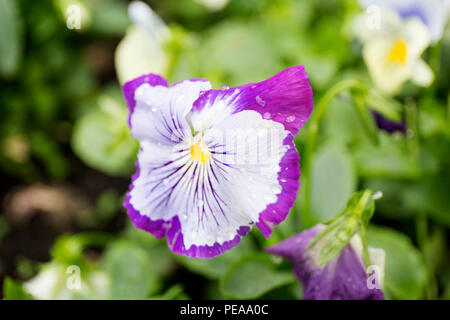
(213, 162)
(342, 278)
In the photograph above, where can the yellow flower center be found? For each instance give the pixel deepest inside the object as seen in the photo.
(398, 52)
(198, 154)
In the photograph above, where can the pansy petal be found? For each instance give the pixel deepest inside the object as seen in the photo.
(422, 75)
(161, 116)
(286, 98)
(130, 87)
(344, 277)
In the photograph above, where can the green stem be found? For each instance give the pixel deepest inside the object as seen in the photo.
(311, 139)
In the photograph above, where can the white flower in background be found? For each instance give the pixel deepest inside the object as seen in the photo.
(53, 283)
(433, 13)
(393, 50)
(213, 5)
(141, 50)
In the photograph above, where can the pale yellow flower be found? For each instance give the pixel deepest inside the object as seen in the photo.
(392, 50)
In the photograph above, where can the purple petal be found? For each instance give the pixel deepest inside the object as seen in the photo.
(388, 125)
(288, 178)
(342, 278)
(129, 88)
(287, 98)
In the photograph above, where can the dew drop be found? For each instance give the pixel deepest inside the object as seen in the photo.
(260, 101)
(283, 180)
(276, 189)
(267, 115)
(154, 109)
(290, 119)
(270, 198)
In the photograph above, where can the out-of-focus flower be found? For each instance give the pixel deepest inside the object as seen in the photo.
(433, 13)
(343, 277)
(214, 162)
(388, 125)
(141, 50)
(55, 282)
(213, 5)
(392, 50)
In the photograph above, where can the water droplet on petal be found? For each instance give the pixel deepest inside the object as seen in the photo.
(253, 86)
(270, 198)
(290, 119)
(154, 109)
(267, 115)
(283, 180)
(260, 101)
(276, 189)
(224, 87)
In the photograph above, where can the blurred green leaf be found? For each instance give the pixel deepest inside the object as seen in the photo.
(102, 139)
(131, 272)
(391, 158)
(406, 199)
(176, 292)
(333, 180)
(239, 52)
(405, 272)
(13, 290)
(109, 17)
(11, 43)
(252, 277)
(216, 267)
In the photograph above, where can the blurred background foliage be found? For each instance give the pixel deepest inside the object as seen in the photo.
(66, 154)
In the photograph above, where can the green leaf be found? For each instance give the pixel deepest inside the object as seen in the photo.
(131, 272)
(333, 180)
(11, 44)
(216, 267)
(391, 158)
(176, 292)
(405, 272)
(406, 199)
(101, 138)
(13, 290)
(238, 51)
(252, 277)
(109, 17)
